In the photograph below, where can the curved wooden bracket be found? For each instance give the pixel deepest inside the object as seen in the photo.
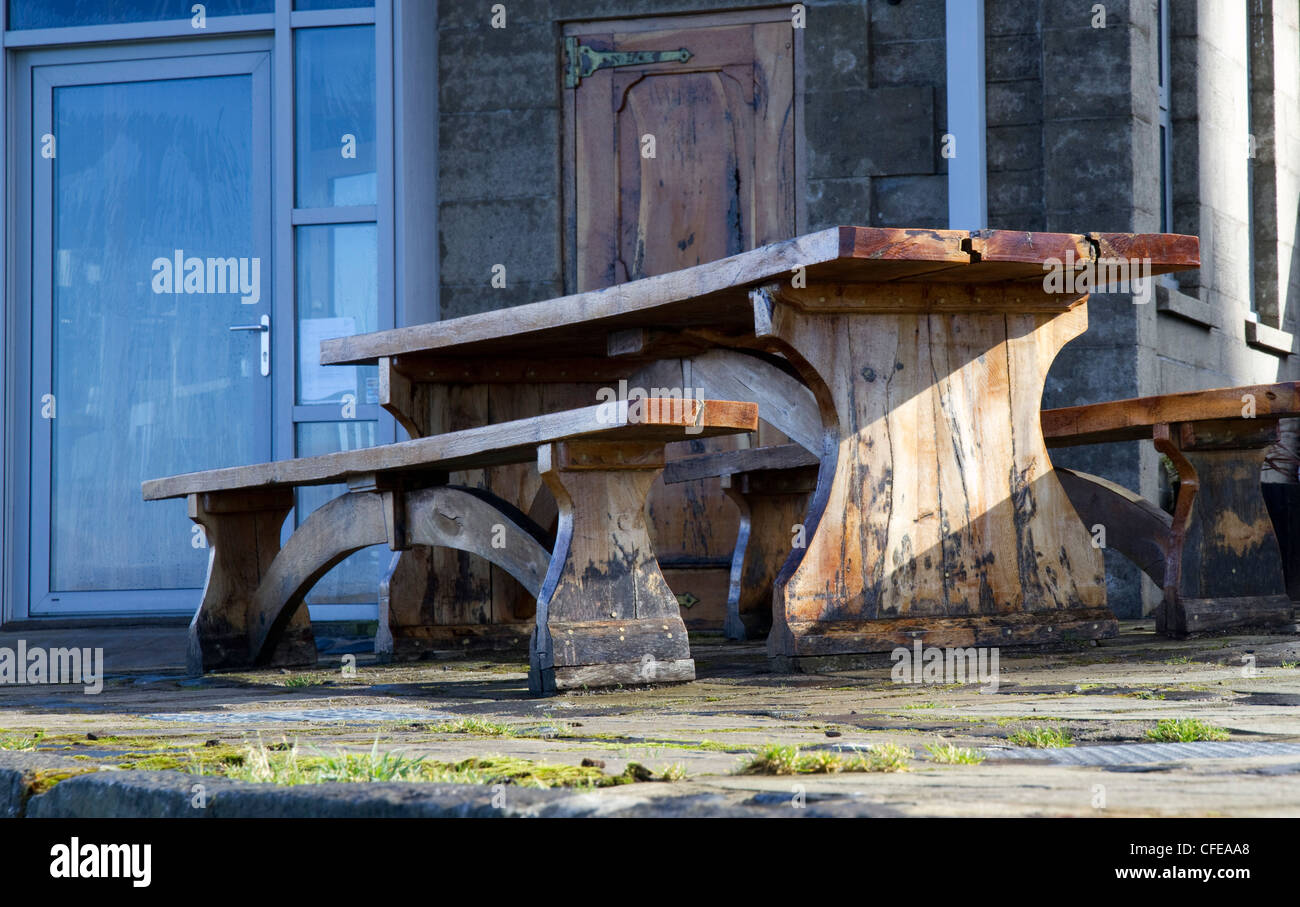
(1133, 526)
(435, 517)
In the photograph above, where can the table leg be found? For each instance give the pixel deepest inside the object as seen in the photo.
(772, 505)
(605, 614)
(937, 513)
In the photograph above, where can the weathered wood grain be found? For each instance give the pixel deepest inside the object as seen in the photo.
(506, 442)
(935, 476)
(1200, 615)
(1133, 526)
(1133, 419)
(714, 294)
(834, 644)
(243, 535)
(1230, 554)
(605, 602)
(726, 463)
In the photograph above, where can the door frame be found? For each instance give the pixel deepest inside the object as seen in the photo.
(251, 55)
(568, 130)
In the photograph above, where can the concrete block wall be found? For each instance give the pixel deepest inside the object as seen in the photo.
(875, 87)
(874, 103)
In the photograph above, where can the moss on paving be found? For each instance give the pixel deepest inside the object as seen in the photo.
(44, 779)
(288, 765)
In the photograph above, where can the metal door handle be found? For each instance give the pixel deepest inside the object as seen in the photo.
(264, 328)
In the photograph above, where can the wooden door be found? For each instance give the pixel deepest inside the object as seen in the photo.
(668, 165)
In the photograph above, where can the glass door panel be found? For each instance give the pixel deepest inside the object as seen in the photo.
(152, 241)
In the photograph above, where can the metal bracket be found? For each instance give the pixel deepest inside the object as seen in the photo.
(584, 60)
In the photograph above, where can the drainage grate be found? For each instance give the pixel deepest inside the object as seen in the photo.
(284, 716)
(1143, 753)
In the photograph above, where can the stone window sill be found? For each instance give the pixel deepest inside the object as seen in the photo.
(1172, 301)
(1269, 339)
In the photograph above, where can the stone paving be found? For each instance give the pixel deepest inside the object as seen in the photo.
(1104, 697)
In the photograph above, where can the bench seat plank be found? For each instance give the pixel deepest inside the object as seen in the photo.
(663, 420)
(1134, 418)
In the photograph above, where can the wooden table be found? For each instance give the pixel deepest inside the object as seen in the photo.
(936, 511)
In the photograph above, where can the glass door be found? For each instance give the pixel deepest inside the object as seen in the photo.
(151, 316)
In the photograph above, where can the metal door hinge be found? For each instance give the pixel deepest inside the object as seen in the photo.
(584, 60)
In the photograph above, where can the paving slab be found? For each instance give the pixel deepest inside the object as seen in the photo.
(460, 706)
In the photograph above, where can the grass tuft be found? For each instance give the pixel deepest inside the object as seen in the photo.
(950, 754)
(287, 764)
(1042, 738)
(21, 742)
(303, 680)
(776, 759)
(476, 726)
(1185, 730)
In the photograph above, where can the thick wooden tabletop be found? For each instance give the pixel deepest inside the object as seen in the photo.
(714, 295)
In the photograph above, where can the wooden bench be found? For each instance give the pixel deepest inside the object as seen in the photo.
(1216, 558)
(604, 613)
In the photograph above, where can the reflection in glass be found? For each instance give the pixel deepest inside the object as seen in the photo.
(337, 297)
(335, 82)
(356, 579)
(146, 383)
(66, 13)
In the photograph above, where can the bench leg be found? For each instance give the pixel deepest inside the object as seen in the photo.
(772, 504)
(605, 614)
(243, 534)
(1231, 565)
